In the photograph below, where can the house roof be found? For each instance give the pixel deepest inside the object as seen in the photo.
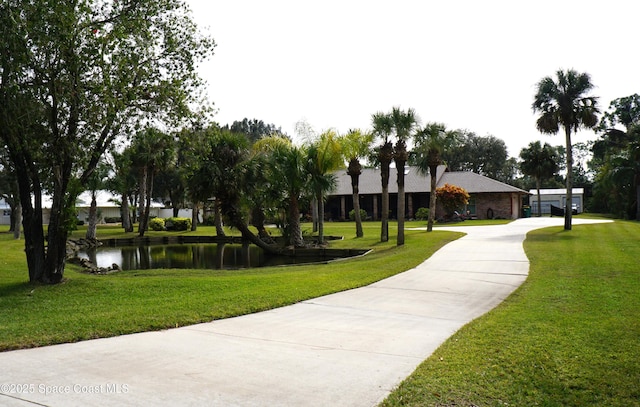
(369, 182)
(556, 191)
(415, 182)
(104, 199)
(475, 183)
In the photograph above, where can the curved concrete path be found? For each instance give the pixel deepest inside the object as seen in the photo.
(345, 349)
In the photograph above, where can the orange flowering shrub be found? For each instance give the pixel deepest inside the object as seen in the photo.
(452, 197)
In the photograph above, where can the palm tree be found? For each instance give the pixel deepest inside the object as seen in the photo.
(225, 173)
(324, 156)
(404, 124)
(565, 104)
(356, 145)
(431, 143)
(123, 183)
(152, 149)
(539, 162)
(382, 127)
(288, 173)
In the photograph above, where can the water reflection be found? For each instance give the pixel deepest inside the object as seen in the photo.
(188, 256)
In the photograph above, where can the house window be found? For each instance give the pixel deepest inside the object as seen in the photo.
(6, 212)
(471, 206)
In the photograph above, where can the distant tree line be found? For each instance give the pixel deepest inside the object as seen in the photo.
(101, 98)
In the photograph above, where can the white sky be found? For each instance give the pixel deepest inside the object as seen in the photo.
(469, 64)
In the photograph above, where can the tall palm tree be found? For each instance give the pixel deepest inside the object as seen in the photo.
(540, 162)
(432, 141)
(356, 145)
(564, 103)
(324, 156)
(123, 182)
(404, 123)
(382, 128)
(152, 149)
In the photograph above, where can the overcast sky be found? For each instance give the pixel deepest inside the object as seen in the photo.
(468, 64)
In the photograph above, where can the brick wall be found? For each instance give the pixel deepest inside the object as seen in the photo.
(499, 203)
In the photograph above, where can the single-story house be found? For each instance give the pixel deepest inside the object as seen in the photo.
(556, 197)
(488, 198)
(107, 204)
(5, 212)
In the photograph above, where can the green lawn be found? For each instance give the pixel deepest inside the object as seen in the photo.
(570, 336)
(90, 306)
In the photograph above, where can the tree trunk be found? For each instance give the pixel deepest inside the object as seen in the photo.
(401, 159)
(126, 214)
(567, 210)
(355, 171)
(384, 231)
(401, 205)
(34, 243)
(538, 185)
(14, 213)
(16, 219)
(217, 218)
(386, 155)
(257, 220)
(175, 206)
(33, 237)
(144, 217)
(141, 203)
(134, 214)
(433, 170)
(93, 218)
(637, 179)
(315, 218)
(57, 233)
(239, 223)
(27, 177)
(320, 201)
(194, 216)
(295, 237)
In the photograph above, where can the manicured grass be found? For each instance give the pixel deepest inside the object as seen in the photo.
(90, 306)
(570, 336)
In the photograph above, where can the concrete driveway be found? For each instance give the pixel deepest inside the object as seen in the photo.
(345, 349)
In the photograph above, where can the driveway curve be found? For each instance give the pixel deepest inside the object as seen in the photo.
(346, 349)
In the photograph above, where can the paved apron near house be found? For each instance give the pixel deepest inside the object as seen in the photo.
(345, 349)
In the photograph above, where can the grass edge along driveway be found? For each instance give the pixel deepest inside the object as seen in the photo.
(569, 336)
(87, 306)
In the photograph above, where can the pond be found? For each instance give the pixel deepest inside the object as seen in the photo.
(201, 256)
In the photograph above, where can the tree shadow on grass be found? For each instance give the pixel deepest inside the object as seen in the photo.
(12, 289)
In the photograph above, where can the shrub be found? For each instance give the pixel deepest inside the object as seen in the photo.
(452, 197)
(209, 220)
(177, 224)
(352, 214)
(109, 219)
(156, 224)
(422, 214)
